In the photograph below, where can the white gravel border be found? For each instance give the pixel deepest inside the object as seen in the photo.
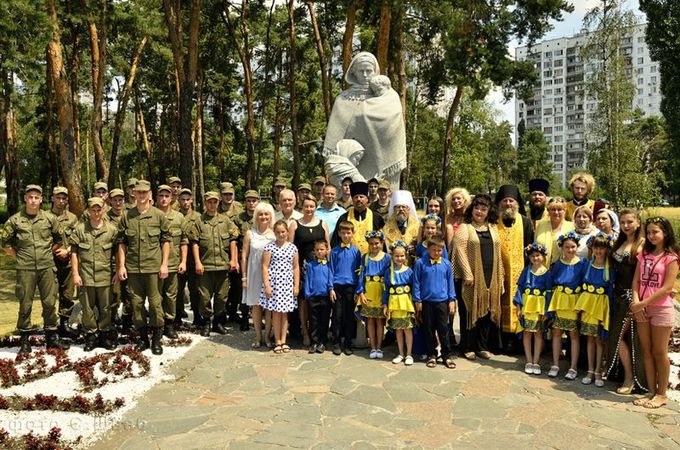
(66, 384)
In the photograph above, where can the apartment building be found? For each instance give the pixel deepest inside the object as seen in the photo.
(559, 105)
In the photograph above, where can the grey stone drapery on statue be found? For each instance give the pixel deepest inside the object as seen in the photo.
(368, 119)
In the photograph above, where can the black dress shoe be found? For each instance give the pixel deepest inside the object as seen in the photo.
(348, 351)
(312, 348)
(320, 348)
(205, 331)
(337, 350)
(219, 328)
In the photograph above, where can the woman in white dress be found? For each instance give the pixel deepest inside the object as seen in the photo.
(254, 242)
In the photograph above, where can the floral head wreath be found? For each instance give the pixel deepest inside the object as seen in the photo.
(399, 243)
(374, 234)
(564, 237)
(535, 247)
(431, 216)
(603, 236)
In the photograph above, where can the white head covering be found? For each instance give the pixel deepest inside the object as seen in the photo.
(358, 58)
(402, 198)
(616, 228)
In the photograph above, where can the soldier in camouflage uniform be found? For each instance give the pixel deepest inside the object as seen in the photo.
(382, 205)
(228, 205)
(177, 263)
(213, 240)
(188, 278)
(119, 291)
(143, 252)
(31, 236)
(93, 244)
(67, 291)
(176, 184)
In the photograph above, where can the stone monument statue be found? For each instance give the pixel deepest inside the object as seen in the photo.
(366, 137)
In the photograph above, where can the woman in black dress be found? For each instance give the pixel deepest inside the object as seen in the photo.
(624, 360)
(304, 232)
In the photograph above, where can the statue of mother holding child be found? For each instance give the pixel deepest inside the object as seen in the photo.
(366, 137)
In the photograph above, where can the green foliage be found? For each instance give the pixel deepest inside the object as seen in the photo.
(533, 156)
(615, 157)
(663, 23)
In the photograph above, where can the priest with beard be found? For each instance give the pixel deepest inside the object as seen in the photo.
(538, 199)
(515, 232)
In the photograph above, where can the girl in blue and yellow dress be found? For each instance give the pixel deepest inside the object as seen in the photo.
(567, 275)
(397, 302)
(534, 288)
(370, 290)
(593, 303)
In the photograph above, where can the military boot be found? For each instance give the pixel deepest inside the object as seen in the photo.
(53, 341)
(169, 329)
(25, 343)
(108, 340)
(90, 342)
(143, 342)
(156, 348)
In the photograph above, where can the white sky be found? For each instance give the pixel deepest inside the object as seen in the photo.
(571, 24)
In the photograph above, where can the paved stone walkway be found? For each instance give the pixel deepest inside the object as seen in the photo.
(228, 396)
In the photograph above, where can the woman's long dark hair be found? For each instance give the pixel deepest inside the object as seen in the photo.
(622, 236)
(484, 200)
(669, 243)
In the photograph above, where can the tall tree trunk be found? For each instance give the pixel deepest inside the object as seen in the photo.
(185, 68)
(144, 144)
(123, 100)
(278, 125)
(198, 141)
(222, 153)
(55, 172)
(384, 35)
(264, 100)
(8, 144)
(243, 49)
(325, 86)
(348, 37)
(70, 162)
(98, 55)
(292, 67)
(448, 137)
(73, 71)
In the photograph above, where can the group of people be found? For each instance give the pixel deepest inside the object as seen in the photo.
(316, 260)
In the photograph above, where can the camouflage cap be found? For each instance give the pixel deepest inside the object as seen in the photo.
(226, 184)
(100, 185)
(174, 180)
(33, 187)
(132, 182)
(250, 193)
(95, 201)
(59, 190)
(142, 185)
(163, 187)
(280, 182)
(304, 186)
(384, 184)
(320, 180)
(227, 188)
(211, 195)
(116, 193)
(185, 191)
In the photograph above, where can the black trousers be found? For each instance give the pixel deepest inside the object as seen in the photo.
(343, 323)
(484, 336)
(436, 319)
(235, 293)
(319, 315)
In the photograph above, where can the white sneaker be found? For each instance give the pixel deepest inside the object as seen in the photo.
(373, 354)
(397, 359)
(554, 370)
(537, 369)
(408, 361)
(379, 354)
(528, 368)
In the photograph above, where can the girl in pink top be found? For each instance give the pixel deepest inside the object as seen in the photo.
(653, 307)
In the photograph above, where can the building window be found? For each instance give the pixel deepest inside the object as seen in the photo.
(652, 69)
(641, 81)
(548, 54)
(641, 50)
(639, 92)
(641, 60)
(640, 39)
(652, 80)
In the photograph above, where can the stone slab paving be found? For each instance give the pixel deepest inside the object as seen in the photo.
(227, 396)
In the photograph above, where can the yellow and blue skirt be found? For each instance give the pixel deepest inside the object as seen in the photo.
(594, 306)
(402, 313)
(533, 307)
(374, 291)
(563, 304)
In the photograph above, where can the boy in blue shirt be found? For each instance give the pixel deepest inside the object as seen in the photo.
(319, 294)
(345, 261)
(435, 299)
